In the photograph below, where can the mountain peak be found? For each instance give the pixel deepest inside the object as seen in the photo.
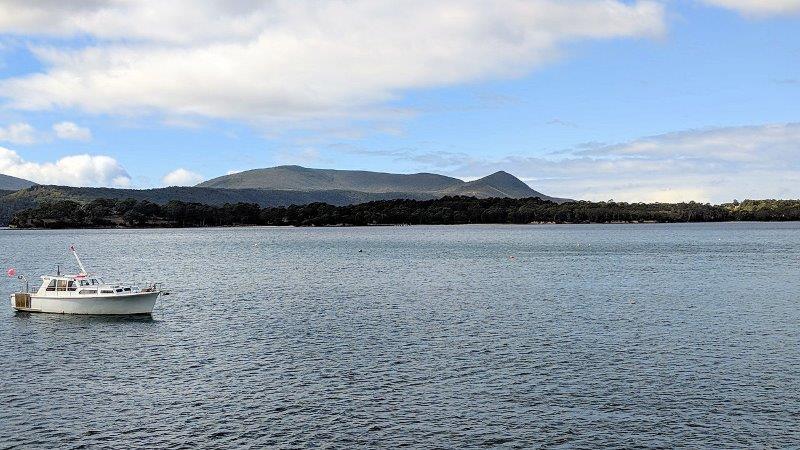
(501, 176)
(503, 180)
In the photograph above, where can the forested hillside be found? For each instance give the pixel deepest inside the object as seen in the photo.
(444, 211)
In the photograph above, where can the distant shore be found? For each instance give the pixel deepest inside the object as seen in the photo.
(130, 213)
(533, 224)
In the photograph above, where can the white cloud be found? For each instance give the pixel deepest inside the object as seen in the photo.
(759, 7)
(715, 164)
(71, 131)
(182, 177)
(762, 143)
(75, 170)
(293, 60)
(18, 133)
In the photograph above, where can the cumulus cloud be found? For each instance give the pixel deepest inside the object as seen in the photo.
(715, 164)
(759, 7)
(182, 177)
(18, 133)
(71, 131)
(75, 170)
(293, 60)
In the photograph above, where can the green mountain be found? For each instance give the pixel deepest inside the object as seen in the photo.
(9, 183)
(296, 178)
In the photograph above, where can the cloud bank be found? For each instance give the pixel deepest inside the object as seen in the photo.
(18, 133)
(708, 165)
(759, 7)
(75, 170)
(25, 134)
(292, 60)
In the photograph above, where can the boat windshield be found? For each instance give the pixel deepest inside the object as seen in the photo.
(58, 285)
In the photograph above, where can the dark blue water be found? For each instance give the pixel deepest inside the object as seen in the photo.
(470, 336)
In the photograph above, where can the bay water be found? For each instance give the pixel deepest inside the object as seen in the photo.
(553, 336)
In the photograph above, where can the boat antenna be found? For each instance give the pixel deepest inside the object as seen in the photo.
(72, 249)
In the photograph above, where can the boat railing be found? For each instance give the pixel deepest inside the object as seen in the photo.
(24, 279)
(152, 287)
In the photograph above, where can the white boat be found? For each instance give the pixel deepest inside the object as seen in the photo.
(85, 294)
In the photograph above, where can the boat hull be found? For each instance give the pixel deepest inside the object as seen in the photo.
(135, 303)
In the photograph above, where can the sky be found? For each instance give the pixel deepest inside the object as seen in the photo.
(593, 99)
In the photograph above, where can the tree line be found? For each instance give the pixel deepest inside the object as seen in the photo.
(444, 211)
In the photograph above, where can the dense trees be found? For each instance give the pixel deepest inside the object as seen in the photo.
(447, 210)
(765, 210)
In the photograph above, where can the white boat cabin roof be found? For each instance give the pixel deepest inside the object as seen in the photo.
(80, 277)
(69, 282)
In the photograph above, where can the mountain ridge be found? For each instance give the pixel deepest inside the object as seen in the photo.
(300, 178)
(498, 184)
(9, 183)
(374, 186)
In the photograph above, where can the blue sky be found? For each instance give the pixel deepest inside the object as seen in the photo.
(595, 99)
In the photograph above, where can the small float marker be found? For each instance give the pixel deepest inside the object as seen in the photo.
(11, 272)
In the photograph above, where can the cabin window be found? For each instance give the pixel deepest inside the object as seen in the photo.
(71, 286)
(94, 282)
(84, 283)
(61, 285)
(106, 291)
(52, 286)
(87, 291)
(127, 289)
(119, 290)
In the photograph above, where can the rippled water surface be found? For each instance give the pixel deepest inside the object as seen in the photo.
(484, 336)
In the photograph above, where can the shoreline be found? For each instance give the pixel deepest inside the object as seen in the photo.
(132, 214)
(10, 228)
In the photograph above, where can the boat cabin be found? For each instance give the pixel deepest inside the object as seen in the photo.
(79, 285)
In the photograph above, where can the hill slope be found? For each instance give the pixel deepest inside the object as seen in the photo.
(209, 196)
(27, 198)
(296, 178)
(9, 183)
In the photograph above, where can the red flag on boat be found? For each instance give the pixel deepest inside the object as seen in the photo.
(11, 272)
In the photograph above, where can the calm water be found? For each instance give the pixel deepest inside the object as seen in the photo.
(484, 336)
